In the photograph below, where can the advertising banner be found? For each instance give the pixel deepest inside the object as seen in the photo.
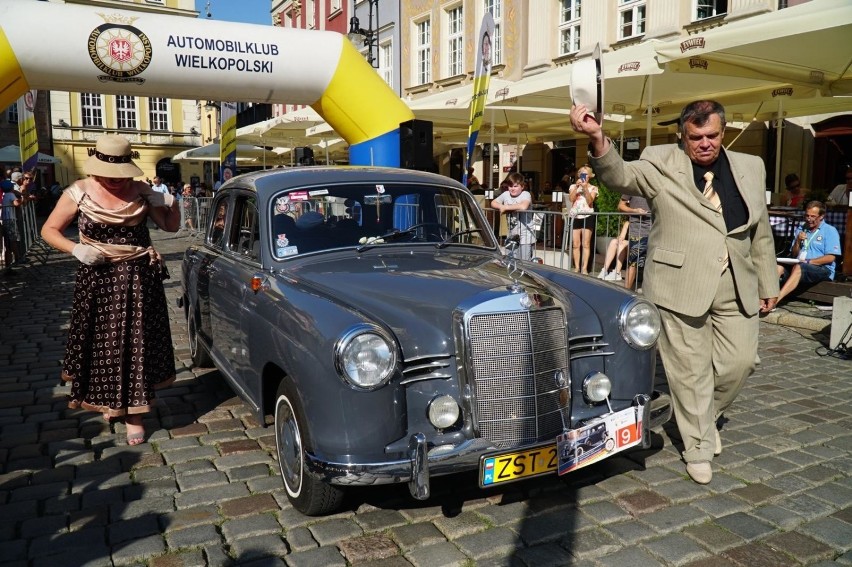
(481, 79)
(227, 141)
(27, 130)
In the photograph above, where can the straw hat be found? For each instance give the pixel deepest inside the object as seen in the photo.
(112, 158)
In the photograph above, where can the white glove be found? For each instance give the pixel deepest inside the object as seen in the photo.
(88, 255)
(157, 199)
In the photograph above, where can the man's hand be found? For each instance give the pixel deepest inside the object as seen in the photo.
(767, 304)
(584, 123)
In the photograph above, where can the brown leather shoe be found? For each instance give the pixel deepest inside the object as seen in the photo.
(700, 471)
(718, 450)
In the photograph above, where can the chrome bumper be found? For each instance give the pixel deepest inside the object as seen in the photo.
(419, 467)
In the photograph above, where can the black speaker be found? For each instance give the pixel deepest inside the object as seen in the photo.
(415, 145)
(305, 156)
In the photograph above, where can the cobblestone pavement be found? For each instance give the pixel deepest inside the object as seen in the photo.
(205, 488)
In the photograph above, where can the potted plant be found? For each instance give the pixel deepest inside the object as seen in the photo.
(608, 225)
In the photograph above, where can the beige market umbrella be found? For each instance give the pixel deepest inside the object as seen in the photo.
(278, 131)
(808, 45)
(245, 153)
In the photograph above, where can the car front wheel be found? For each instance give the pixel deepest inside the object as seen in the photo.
(306, 493)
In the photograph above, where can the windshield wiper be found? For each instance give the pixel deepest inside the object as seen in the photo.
(395, 233)
(448, 240)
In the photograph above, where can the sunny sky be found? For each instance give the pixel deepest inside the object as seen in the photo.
(244, 11)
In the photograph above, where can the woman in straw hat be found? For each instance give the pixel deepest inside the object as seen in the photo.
(119, 344)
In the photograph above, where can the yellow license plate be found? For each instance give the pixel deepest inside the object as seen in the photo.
(506, 467)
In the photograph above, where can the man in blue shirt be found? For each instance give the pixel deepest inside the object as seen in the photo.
(816, 244)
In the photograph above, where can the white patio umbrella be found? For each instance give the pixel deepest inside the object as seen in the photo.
(278, 130)
(245, 153)
(12, 154)
(806, 45)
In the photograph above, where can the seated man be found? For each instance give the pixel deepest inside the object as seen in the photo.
(816, 244)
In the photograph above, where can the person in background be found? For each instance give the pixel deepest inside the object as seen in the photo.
(840, 194)
(119, 309)
(189, 207)
(471, 178)
(514, 203)
(640, 227)
(159, 186)
(816, 244)
(615, 251)
(795, 193)
(11, 203)
(582, 195)
(711, 264)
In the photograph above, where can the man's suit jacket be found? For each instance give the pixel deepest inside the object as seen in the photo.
(688, 238)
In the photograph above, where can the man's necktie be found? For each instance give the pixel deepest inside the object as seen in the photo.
(710, 195)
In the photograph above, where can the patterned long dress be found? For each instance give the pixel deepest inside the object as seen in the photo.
(119, 346)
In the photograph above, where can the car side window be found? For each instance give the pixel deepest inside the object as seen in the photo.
(246, 231)
(216, 233)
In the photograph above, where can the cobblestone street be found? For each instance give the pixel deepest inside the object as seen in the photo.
(205, 488)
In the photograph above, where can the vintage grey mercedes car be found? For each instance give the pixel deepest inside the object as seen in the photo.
(373, 312)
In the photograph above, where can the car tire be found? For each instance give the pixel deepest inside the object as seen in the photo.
(197, 351)
(306, 493)
(610, 444)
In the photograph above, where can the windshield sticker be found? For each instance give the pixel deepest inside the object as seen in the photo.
(318, 192)
(282, 241)
(299, 196)
(282, 205)
(288, 251)
(380, 189)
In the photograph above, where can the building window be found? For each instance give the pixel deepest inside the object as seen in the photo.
(710, 8)
(158, 113)
(455, 42)
(631, 18)
(386, 63)
(310, 15)
(125, 111)
(423, 68)
(569, 26)
(12, 114)
(92, 109)
(496, 9)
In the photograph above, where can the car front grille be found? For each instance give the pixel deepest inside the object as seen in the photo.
(515, 358)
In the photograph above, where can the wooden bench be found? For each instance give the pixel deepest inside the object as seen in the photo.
(825, 292)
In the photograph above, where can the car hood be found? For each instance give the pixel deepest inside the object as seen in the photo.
(415, 294)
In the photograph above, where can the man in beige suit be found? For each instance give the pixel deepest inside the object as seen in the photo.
(710, 264)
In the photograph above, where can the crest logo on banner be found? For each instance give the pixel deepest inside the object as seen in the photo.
(481, 79)
(119, 50)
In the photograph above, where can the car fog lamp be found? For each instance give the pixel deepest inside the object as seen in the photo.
(596, 387)
(443, 411)
(640, 324)
(366, 360)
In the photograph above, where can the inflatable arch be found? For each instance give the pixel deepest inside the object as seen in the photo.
(113, 51)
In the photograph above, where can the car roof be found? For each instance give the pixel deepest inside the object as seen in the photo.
(275, 180)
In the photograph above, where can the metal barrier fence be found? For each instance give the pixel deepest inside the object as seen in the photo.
(20, 240)
(609, 246)
(194, 214)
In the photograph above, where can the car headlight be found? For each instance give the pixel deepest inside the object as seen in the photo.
(365, 356)
(639, 322)
(596, 387)
(443, 411)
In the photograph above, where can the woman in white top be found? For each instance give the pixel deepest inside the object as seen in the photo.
(582, 195)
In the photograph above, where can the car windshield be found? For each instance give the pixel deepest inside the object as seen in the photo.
(364, 216)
